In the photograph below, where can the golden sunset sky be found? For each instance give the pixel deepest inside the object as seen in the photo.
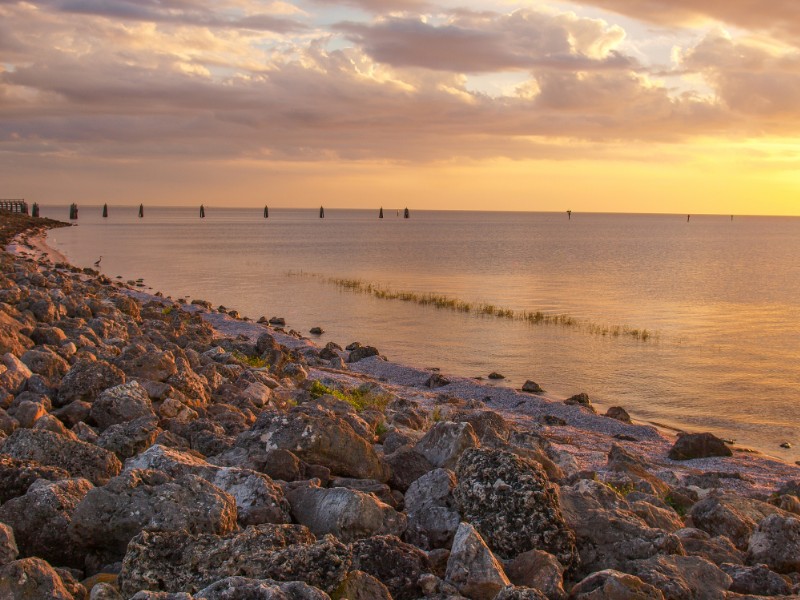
(684, 106)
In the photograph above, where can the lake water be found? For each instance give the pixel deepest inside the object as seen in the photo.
(720, 297)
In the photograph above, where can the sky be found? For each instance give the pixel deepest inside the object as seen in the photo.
(669, 106)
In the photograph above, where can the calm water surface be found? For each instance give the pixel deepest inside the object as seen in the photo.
(722, 296)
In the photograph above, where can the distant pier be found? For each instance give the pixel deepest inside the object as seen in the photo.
(14, 205)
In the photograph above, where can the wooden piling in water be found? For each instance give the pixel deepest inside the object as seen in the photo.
(105, 211)
(202, 212)
(141, 210)
(321, 213)
(406, 214)
(73, 212)
(380, 214)
(266, 212)
(35, 210)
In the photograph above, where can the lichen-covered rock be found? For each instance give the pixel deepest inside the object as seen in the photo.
(757, 580)
(31, 579)
(317, 436)
(683, 577)
(243, 588)
(108, 517)
(776, 543)
(120, 404)
(394, 563)
(613, 585)
(41, 520)
(50, 449)
(698, 445)
(347, 514)
(445, 442)
(732, 516)
(179, 561)
(512, 505)
(8, 545)
(539, 570)
(86, 380)
(130, 438)
(258, 498)
(359, 585)
(429, 504)
(608, 534)
(472, 567)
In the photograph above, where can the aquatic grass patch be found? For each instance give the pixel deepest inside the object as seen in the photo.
(483, 309)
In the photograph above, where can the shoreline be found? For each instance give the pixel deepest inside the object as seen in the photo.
(263, 428)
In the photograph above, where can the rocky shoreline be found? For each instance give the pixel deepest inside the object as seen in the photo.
(152, 449)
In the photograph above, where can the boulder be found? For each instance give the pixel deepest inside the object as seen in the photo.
(180, 561)
(347, 514)
(8, 545)
(120, 404)
(656, 517)
(406, 465)
(317, 436)
(429, 504)
(31, 579)
(445, 442)
(613, 585)
(359, 585)
(260, 589)
(618, 413)
(683, 577)
(258, 499)
(531, 387)
(698, 445)
(396, 564)
(105, 591)
(520, 593)
(776, 543)
(472, 567)
(732, 516)
(512, 505)
(539, 570)
(27, 413)
(361, 353)
(130, 438)
(756, 580)
(608, 534)
(41, 520)
(717, 549)
(15, 374)
(16, 476)
(86, 379)
(108, 517)
(46, 363)
(50, 449)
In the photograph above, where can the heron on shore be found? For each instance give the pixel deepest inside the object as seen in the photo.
(97, 262)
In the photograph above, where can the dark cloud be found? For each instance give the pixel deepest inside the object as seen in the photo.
(488, 42)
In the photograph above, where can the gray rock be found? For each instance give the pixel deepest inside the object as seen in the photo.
(445, 442)
(399, 566)
(46, 363)
(613, 585)
(317, 436)
(429, 504)
(539, 570)
(347, 514)
(472, 568)
(148, 595)
(359, 585)
(120, 404)
(243, 588)
(657, 518)
(130, 438)
(27, 413)
(108, 517)
(698, 445)
(258, 499)
(717, 549)
(179, 561)
(8, 545)
(757, 580)
(16, 476)
(406, 466)
(520, 593)
(86, 379)
(734, 517)
(361, 353)
(776, 543)
(31, 579)
(512, 505)
(50, 449)
(532, 387)
(105, 591)
(41, 520)
(608, 534)
(683, 577)
(618, 413)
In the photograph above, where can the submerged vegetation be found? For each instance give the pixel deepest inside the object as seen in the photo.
(444, 302)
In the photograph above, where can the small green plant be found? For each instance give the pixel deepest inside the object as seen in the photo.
(360, 398)
(622, 489)
(436, 415)
(252, 361)
(381, 428)
(675, 505)
(167, 311)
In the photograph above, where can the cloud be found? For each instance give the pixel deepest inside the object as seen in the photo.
(489, 42)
